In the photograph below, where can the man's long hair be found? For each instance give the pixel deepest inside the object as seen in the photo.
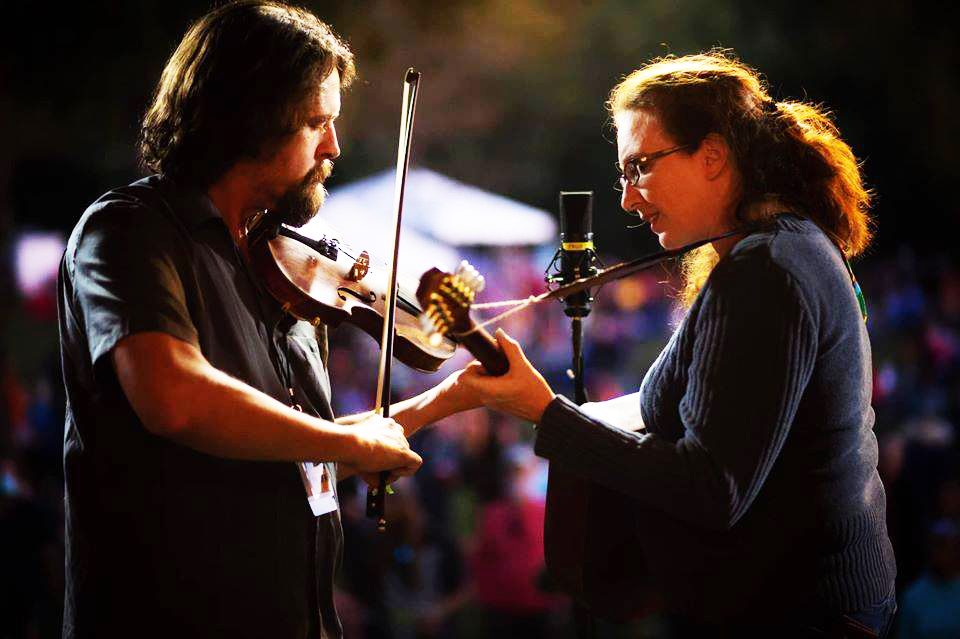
(788, 151)
(236, 86)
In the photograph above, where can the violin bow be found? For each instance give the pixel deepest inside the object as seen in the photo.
(376, 497)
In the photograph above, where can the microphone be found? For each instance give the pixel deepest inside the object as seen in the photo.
(577, 257)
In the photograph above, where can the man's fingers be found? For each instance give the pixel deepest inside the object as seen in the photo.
(406, 471)
(411, 465)
(372, 480)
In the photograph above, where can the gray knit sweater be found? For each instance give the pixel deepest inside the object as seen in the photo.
(755, 486)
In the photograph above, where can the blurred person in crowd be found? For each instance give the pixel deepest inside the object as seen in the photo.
(408, 582)
(506, 561)
(931, 604)
(424, 584)
(29, 552)
(190, 392)
(929, 461)
(749, 447)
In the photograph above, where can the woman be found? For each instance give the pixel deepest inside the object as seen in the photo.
(754, 474)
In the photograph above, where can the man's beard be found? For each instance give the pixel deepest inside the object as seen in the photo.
(300, 203)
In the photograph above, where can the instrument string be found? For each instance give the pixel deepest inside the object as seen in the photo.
(486, 305)
(614, 272)
(518, 305)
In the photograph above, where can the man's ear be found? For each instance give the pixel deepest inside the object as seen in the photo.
(715, 156)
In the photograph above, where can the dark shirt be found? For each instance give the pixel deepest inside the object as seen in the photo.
(163, 540)
(755, 486)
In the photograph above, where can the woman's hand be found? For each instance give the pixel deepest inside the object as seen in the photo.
(521, 391)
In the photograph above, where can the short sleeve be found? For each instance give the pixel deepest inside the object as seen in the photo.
(127, 268)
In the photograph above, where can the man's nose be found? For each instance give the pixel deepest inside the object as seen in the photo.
(329, 146)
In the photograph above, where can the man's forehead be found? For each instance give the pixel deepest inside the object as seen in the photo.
(325, 100)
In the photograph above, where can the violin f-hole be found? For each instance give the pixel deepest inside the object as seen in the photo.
(370, 298)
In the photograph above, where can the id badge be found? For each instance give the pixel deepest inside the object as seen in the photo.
(320, 493)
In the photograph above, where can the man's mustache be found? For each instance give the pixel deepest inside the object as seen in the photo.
(319, 173)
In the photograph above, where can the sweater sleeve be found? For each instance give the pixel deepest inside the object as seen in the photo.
(753, 354)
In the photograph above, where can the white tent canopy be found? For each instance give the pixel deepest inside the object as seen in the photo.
(449, 211)
(371, 232)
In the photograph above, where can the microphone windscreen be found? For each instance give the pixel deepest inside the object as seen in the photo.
(576, 215)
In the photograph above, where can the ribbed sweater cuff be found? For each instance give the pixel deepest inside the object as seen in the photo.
(551, 437)
(568, 437)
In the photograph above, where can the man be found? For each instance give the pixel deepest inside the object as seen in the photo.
(185, 512)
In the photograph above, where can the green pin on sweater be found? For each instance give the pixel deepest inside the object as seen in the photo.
(856, 289)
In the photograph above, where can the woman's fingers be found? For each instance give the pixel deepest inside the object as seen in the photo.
(503, 336)
(510, 347)
(474, 368)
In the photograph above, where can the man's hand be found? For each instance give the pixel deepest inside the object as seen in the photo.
(162, 377)
(381, 445)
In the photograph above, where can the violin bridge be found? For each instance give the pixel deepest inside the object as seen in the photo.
(360, 267)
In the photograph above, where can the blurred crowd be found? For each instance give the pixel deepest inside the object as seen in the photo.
(463, 552)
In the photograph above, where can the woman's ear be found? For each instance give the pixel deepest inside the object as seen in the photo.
(715, 156)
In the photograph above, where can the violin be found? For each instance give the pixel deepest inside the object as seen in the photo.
(325, 281)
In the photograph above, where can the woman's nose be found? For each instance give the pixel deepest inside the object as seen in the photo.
(630, 198)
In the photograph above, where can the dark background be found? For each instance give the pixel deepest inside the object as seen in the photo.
(511, 101)
(512, 96)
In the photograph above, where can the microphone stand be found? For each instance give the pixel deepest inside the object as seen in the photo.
(583, 620)
(579, 390)
(577, 296)
(577, 307)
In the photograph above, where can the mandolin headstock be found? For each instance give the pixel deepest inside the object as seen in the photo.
(446, 299)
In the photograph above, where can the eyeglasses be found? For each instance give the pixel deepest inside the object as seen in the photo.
(630, 174)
